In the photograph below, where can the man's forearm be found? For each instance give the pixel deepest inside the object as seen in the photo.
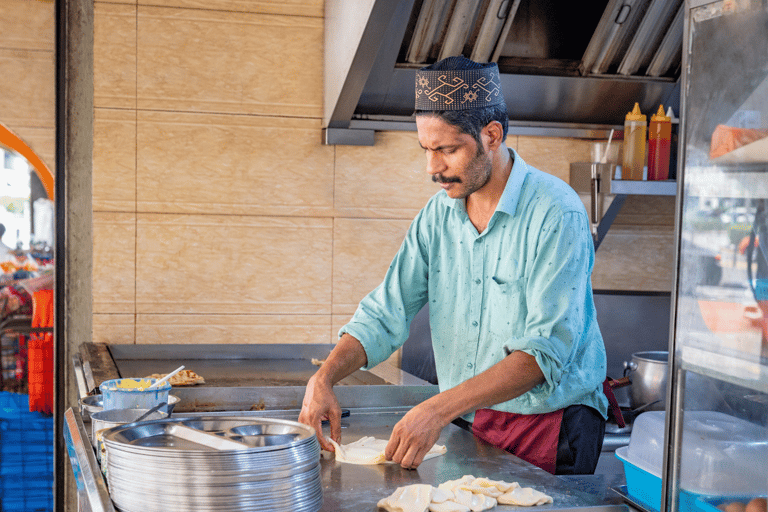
(514, 375)
(347, 357)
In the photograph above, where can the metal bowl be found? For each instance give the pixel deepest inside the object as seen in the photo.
(103, 420)
(95, 403)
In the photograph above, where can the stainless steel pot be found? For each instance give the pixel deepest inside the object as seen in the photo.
(648, 372)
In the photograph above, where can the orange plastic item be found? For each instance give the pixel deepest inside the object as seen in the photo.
(727, 138)
(40, 354)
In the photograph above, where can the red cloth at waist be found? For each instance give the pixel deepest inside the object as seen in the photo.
(532, 437)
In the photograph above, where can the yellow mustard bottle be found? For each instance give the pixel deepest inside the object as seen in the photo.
(634, 145)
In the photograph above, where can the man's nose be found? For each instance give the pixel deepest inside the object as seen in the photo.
(435, 163)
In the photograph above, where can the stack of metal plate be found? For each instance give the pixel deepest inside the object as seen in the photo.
(213, 463)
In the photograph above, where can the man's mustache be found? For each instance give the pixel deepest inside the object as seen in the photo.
(439, 178)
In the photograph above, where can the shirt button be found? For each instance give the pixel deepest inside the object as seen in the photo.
(474, 324)
(469, 365)
(477, 281)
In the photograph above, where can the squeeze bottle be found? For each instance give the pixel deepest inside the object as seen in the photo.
(634, 145)
(659, 142)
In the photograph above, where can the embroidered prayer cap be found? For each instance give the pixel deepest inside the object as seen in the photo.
(473, 85)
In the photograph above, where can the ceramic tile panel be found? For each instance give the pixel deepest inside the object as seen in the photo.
(234, 165)
(554, 154)
(287, 7)
(635, 259)
(362, 252)
(234, 329)
(114, 55)
(114, 329)
(114, 160)
(114, 262)
(388, 180)
(196, 60)
(246, 265)
(27, 90)
(37, 31)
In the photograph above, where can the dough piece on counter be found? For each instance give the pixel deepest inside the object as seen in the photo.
(411, 498)
(524, 496)
(448, 506)
(492, 488)
(475, 502)
(369, 450)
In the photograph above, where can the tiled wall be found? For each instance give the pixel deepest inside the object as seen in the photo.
(219, 217)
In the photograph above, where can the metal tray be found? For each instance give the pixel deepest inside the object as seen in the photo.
(212, 434)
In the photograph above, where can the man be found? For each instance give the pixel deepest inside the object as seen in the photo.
(503, 255)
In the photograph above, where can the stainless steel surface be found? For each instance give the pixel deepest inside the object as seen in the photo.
(214, 463)
(370, 57)
(102, 420)
(358, 488)
(88, 478)
(257, 377)
(94, 403)
(648, 371)
(77, 366)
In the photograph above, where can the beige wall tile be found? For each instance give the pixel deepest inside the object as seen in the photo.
(35, 31)
(213, 264)
(362, 252)
(224, 164)
(114, 329)
(114, 160)
(27, 91)
(554, 154)
(388, 180)
(254, 329)
(114, 55)
(210, 61)
(286, 7)
(114, 262)
(635, 259)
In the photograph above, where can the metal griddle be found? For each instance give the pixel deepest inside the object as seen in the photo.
(244, 377)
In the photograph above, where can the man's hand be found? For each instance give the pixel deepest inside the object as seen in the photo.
(320, 403)
(413, 436)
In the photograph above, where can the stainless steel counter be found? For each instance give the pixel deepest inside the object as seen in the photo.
(357, 488)
(374, 407)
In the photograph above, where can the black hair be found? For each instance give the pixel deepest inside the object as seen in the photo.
(470, 121)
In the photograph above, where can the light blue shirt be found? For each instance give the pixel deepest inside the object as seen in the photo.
(522, 284)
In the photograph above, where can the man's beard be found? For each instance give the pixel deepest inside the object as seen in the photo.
(477, 173)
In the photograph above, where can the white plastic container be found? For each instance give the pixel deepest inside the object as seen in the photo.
(721, 456)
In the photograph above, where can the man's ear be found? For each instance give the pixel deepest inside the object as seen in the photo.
(494, 133)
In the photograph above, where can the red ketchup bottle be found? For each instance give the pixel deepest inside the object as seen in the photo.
(659, 142)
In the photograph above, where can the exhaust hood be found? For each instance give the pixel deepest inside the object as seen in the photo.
(567, 68)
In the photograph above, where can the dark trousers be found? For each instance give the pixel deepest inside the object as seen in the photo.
(581, 441)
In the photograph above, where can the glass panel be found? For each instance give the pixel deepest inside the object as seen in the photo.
(722, 297)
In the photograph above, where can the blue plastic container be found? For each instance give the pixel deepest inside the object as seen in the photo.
(723, 457)
(116, 397)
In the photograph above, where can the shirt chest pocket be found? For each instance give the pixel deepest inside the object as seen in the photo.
(506, 301)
